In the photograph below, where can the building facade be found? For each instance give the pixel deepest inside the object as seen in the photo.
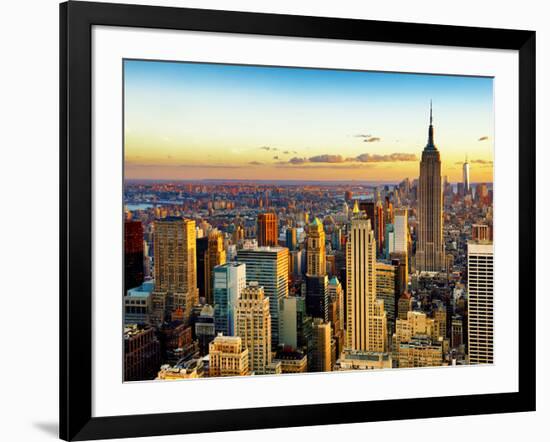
(321, 355)
(175, 267)
(316, 249)
(141, 353)
(228, 283)
(228, 357)
(133, 255)
(366, 323)
(363, 360)
(215, 256)
(386, 282)
(268, 266)
(480, 302)
(253, 326)
(267, 230)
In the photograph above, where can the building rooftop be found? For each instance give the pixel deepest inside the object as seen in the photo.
(132, 330)
(364, 355)
(143, 290)
(263, 249)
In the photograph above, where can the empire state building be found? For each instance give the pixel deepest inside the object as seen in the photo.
(430, 253)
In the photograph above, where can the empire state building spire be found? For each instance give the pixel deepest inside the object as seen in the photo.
(430, 145)
(430, 249)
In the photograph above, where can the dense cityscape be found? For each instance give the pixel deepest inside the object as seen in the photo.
(251, 277)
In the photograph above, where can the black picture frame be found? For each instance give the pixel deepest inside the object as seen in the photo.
(76, 21)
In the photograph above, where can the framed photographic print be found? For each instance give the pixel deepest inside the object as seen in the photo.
(272, 220)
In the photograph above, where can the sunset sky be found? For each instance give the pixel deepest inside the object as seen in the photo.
(212, 121)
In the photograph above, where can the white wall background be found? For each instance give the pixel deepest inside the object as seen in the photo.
(29, 215)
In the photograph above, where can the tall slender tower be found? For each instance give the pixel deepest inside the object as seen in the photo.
(466, 176)
(430, 253)
(365, 316)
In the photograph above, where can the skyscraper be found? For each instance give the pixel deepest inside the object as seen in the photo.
(293, 311)
(174, 248)
(291, 238)
(316, 249)
(205, 329)
(480, 302)
(268, 266)
(202, 248)
(430, 254)
(336, 313)
(386, 284)
(316, 278)
(175, 266)
(267, 229)
(133, 255)
(379, 224)
(215, 255)
(229, 282)
(253, 326)
(466, 176)
(366, 318)
(320, 358)
(401, 230)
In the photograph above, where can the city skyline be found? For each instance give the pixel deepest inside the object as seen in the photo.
(239, 277)
(194, 121)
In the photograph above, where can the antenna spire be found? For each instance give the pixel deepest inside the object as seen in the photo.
(430, 145)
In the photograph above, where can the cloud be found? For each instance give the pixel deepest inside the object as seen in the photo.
(255, 163)
(286, 152)
(368, 138)
(297, 160)
(483, 162)
(393, 157)
(327, 159)
(276, 157)
(363, 158)
(269, 148)
(483, 138)
(310, 166)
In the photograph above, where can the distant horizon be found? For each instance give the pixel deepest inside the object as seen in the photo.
(236, 180)
(189, 121)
